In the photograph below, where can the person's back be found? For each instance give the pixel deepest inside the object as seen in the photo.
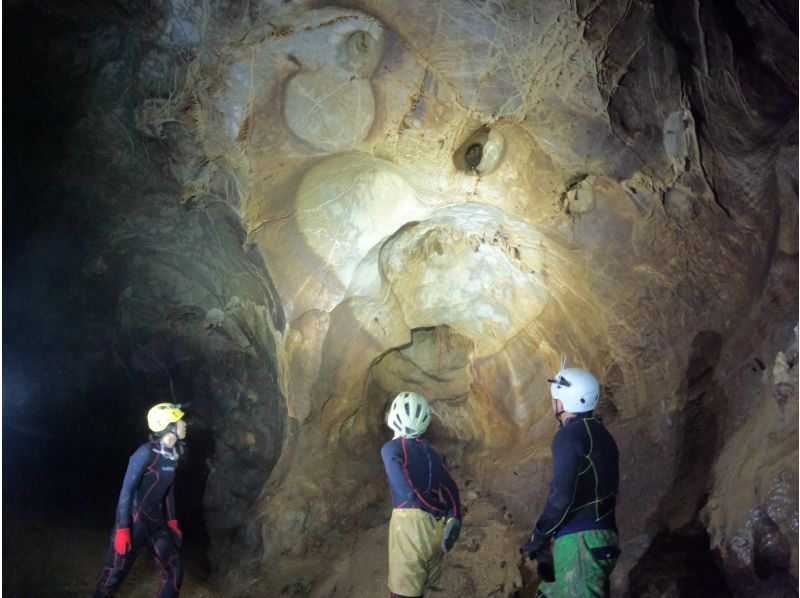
(578, 518)
(426, 514)
(421, 481)
(586, 461)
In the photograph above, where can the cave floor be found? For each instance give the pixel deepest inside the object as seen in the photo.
(57, 554)
(50, 556)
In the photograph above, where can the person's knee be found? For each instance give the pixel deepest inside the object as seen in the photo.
(176, 573)
(109, 582)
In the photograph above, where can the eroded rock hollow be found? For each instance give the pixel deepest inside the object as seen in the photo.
(284, 213)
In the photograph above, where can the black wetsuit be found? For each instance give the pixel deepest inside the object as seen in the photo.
(585, 479)
(418, 478)
(146, 503)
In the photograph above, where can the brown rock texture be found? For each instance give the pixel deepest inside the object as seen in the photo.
(304, 208)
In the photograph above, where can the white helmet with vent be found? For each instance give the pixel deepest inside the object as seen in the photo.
(409, 416)
(577, 390)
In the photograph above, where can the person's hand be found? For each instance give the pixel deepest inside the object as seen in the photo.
(544, 566)
(122, 540)
(177, 534)
(452, 529)
(536, 545)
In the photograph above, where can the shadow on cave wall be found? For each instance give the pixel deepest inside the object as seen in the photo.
(65, 460)
(87, 350)
(433, 363)
(679, 558)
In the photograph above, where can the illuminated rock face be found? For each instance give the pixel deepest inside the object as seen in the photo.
(447, 197)
(528, 182)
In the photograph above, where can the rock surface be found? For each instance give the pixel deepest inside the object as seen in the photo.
(287, 212)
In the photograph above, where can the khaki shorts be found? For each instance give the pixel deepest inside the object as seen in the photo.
(415, 551)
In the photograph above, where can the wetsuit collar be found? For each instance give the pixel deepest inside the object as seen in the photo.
(170, 453)
(579, 416)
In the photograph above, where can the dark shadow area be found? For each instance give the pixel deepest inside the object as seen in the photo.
(79, 371)
(190, 487)
(679, 555)
(62, 474)
(701, 427)
(678, 561)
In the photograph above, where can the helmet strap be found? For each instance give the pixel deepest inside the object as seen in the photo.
(159, 438)
(170, 453)
(558, 415)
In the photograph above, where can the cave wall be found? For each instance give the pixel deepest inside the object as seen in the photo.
(284, 212)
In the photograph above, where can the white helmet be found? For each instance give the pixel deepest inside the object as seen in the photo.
(409, 415)
(577, 390)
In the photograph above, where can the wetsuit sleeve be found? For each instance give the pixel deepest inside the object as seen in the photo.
(567, 457)
(136, 466)
(169, 503)
(393, 463)
(450, 493)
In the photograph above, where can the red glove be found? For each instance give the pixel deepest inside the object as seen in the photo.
(122, 540)
(177, 534)
(173, 525)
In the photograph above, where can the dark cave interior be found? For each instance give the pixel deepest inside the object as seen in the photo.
(85, 353)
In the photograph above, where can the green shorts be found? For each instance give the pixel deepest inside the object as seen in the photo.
(583, 562)
(415, 551)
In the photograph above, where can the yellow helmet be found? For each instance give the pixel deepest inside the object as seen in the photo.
(162, 415)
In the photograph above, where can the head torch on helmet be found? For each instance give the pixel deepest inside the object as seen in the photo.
(559, 381)
(577, 389)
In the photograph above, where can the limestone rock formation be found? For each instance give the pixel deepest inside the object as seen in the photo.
(299, 209)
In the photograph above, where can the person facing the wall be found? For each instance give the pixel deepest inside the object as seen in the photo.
(579, 515)
(146, 508)
(426, 514)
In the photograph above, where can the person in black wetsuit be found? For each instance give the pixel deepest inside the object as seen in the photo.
(426, 514)
(580, 509)
(146, 509)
